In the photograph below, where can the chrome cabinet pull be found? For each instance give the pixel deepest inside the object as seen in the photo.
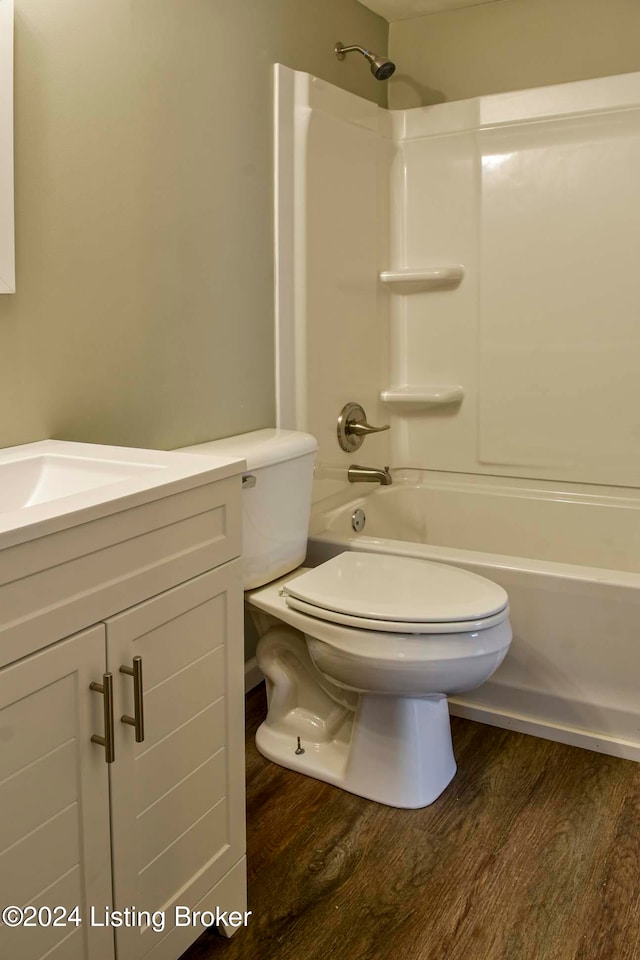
(108, 741)
(138, 699)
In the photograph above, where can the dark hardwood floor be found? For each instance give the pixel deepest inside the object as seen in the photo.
(532, 853)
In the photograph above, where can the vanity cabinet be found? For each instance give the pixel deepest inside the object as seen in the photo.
(54, 798)
(161, 826)
(177, 799)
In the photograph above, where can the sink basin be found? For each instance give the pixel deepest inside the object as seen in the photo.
(87, 531)
(53, 484)
(34, 480)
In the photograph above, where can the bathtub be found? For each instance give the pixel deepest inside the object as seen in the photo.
(570, 562)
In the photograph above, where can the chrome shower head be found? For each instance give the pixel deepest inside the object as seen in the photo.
(381, 68)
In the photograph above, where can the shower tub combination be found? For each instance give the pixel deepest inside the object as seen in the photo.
(570, 562)
(524, 362)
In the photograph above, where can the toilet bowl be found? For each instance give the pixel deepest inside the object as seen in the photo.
(361, 652)
(378, 643)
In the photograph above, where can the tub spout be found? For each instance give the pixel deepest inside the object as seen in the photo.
(357, 474)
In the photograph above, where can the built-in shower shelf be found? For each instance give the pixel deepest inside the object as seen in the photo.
(433, 396)
(423, 280)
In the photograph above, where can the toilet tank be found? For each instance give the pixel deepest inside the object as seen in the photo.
(276, 507)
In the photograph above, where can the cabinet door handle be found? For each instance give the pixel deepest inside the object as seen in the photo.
(138, 697)
(108, 741)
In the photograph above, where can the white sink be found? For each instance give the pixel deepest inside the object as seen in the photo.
(54, 484)
(38, 479)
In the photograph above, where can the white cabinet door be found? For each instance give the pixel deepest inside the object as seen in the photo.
(54, 799)
(178, 808)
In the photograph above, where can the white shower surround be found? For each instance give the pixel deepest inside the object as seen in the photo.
(331, 236)
(535, 194)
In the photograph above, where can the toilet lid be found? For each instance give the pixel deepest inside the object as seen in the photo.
(400, 628)
(377, 586)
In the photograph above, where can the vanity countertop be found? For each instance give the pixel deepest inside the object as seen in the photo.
(53, 485)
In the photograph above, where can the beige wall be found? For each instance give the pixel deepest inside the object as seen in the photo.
(509, 45)
(144, 312)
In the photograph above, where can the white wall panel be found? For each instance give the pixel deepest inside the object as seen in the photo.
(434, 333)
(332, 242)
(560, 330)
(540, 201)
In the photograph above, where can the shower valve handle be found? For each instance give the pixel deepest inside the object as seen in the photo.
(353, 427)
(360, 428)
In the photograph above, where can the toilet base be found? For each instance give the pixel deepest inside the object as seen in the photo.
(394, 750)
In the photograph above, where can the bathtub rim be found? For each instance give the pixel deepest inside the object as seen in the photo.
(322, 546)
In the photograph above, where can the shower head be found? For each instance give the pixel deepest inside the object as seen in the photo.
(381, 68)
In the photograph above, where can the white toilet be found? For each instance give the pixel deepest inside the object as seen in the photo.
(360, 653)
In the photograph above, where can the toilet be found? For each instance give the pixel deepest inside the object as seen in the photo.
(361, 652)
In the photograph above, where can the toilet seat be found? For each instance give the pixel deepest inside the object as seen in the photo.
(395, 626)
(404, 649)
(396, 594)
(387, 660)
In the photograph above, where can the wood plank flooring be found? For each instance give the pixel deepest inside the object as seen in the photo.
(532, 853)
